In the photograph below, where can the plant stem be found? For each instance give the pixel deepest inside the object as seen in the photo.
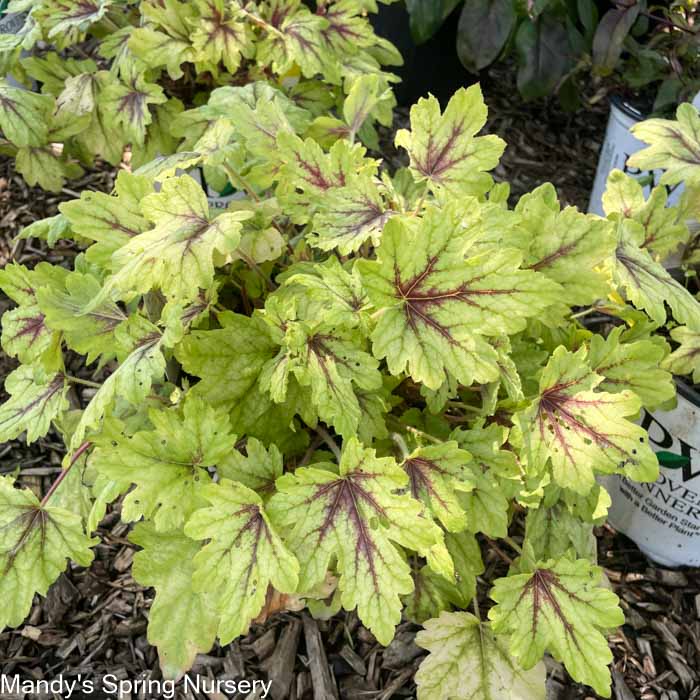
(329, 441)
(475, 603)
(423, 434)
(401, 444)
(241, 181)
(85, 382)
(260, 22)
(513, 544)
(585, 312)
(74, 458)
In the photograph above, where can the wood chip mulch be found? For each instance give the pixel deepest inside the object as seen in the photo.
(93, 622)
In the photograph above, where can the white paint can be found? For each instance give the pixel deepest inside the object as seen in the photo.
(663, 518)
(618, 146)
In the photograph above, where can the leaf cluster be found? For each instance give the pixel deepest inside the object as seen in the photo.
(343, 387)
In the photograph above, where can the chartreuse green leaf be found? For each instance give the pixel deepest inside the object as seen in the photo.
(244, 556)
(91, 334)
(582, 431)
(664, 227)
(35, 400)
(554, 531)
(560, 607)
(435, 474)
(237, 351)
(309, 174)
(646, 283)
(633, 366)
(352, 513)
(444, 149)
(177, 254)
(127, 105)
(565, 246)
(131, 381)
(182, 620)
(41, 166)
(331, 363)
(350, 215)
(466, 661)
(35, 541)
(258, 469)
(219, 34)
(437, 307)
(169, 463)
(674, 145)
(24, 115)
(685, 359)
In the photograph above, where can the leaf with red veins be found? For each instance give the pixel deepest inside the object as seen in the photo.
(35, 400)
(584, 432)
(25, 335)
(561, 607)
(435, 473)
(438, 307)
(353, 515)
(444, 149)
(310, 175)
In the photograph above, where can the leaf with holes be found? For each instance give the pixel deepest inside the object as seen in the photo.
(560, 607)
(438, 307)
(35, 542)
(168, 464)
(467, 661)
(182, 621)
(244, 555)
(352, 513)
(582, 431)
(444, 149)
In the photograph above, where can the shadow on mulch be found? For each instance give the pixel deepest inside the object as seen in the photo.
(93, 622)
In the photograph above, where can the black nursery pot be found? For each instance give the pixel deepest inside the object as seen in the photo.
(431, 67)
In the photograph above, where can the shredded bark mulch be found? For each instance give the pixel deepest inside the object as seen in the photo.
(93, 622)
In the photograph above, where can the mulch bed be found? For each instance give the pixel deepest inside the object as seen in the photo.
(93, 622)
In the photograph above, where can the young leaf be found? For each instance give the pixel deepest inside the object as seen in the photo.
(35, 541)
(466, 661)
(443, 148)
(582, 431)
(355, 516)
(168, 464)
(552, 532)
(35, 400)
(258, 470)
(182, 621)
(436, 306)
(244, 556)
(560, 607)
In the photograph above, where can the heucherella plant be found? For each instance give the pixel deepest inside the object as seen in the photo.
(338, 392)
(119, 73)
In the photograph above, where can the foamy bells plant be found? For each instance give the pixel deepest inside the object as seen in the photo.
(340, 391)
(109, 74)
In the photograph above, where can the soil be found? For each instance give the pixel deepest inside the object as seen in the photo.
(93, 622)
